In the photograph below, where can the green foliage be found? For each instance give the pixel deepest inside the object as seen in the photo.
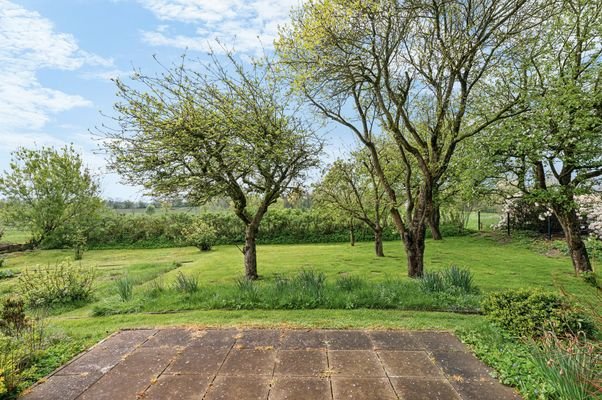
(50, 192)
(532, 312)
(12, 316)
(125, 288)
(200, 234)
(18, 355)
(2, 261)
(571, 366)
(7, 274)
(349, 283)
(591, 279)
(186, 284)
(452, 279)
(432, 282)
(510, 359)
(150, 209)
(61, 283)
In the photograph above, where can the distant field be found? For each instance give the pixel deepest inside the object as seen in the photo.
(487, 220)
(14, 235)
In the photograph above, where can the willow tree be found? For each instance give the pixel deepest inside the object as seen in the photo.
(554, 151)
(418, 66)
(206, 131)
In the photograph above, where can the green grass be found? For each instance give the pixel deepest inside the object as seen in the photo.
(497, 263)
(15, 235)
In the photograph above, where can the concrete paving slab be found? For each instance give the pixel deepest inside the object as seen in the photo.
(170, 338)
(243, 362)
(198, 361)
(483, 389)
(63, 387)
(348, 340)
(299, 340)
(461, 364)
(424, 389)
(300, 388)
(394, 340)
(275, 364)
(239, 387)
(301, 363)
(178, 387)
(409, 363)
(358, 363)
(259, 339)
(439, 341)
(362, 389)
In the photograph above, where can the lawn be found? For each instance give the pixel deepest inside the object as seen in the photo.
(496, 262)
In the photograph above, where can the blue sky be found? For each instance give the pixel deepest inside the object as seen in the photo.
(57, 58)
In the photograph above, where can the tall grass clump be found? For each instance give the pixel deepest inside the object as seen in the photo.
(125, 288)
(348, 283)
(311, 282)
(571, 366)
(247, 290)
(452, 279)
(186, 284)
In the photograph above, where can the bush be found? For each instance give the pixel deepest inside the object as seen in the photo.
(570, 366)
(12, 317)
(2, 260)
(61, 283)
(7, 274)
(532, 312)
(186, 284)
(200, 234)
(125, 288)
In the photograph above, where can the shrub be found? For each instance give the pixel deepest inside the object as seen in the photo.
(200, 234)
(532, 312)
(6, 274)
(2, 260)
(61, 283)
(570, 366)
(125, 288)
(186, 284)
(12, 317)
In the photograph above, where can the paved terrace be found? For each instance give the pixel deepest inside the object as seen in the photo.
(274, 364)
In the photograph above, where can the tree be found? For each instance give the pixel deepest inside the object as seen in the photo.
(553, 153)
(211, 130)
(50, 192)
(352, 186)
(412, 71)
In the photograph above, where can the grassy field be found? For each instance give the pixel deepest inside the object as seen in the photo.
(497, 263)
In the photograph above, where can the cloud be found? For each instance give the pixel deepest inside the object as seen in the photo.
(28, 43)
(246, 25)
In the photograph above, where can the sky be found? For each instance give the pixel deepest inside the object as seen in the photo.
(57, 58)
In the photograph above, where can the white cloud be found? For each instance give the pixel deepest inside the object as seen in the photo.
(28, 43)
(246, 25)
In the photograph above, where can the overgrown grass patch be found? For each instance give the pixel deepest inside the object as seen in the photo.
(307, 289)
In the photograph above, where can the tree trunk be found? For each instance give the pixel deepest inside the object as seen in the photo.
(435, 221)
(250, 252)
(378, 242)
(414, 242)
(572, 234)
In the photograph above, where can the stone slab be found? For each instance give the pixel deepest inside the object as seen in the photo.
(178, 387)
(362, 389)
(243, 362)
(357, 363)
(300, 340)
(300, 388)
(409, 363)
(439, 341)
(348, 340)
(424, 389)
(394, 340)
(301, 363)
(238, 388)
